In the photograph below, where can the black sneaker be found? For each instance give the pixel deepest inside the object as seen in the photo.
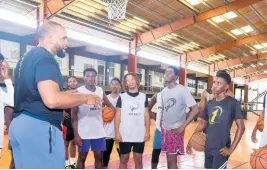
(72, 166)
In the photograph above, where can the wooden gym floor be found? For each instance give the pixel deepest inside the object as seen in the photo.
(238, 160)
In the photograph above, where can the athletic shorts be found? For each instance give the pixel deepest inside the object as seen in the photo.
(116, 143)
(157, 140)
(127, 147)
(214, 160)
(68, 133)
(172, 143)
(96, 145)
(44, 147)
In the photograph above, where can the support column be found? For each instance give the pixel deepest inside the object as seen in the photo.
(122, 71)
(71, 63)
(182, 76)
(231, 88)
(246, 91)
(147, 79)
(182, 72)
(41, 15)
(22, 49)
(211, 75)
(210, 81)
(132, 59)
(107, 65)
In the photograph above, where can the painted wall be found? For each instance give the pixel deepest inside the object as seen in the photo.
(117, 70)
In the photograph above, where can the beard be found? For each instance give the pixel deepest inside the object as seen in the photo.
(72, 87)
(60, 52)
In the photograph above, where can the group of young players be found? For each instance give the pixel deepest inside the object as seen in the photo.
(35, 131)
(130, 128)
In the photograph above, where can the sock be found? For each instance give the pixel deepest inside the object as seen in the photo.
(72, 161)
(67, 163)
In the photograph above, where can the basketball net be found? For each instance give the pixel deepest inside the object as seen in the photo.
(116, 9)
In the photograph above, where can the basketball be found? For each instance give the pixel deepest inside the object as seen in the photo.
(260, 124)
(198, 141)
(107, 114)
(258, 159)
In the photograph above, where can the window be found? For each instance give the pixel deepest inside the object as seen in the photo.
(88, 66)
(159, 77)
(111, 71)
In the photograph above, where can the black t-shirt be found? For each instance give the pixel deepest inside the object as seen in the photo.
(37, 65)
(118, 105)
(220, 116)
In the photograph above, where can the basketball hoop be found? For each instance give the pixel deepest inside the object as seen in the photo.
(116, 9)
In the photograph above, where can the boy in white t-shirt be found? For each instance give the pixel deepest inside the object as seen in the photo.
(109, 127)
(87, 122)
(132, 122)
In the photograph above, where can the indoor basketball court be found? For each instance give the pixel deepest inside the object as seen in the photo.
(206, 41)
(239, 160)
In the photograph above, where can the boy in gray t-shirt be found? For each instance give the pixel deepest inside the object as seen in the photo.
(175, 99)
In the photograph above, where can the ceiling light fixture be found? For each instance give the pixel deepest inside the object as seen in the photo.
(142, 20)
(193, 2)
(258, 46)
(194, 43)
(247, 29)
(134, 22)
(236, 32)
(217, 19)
(230, 15)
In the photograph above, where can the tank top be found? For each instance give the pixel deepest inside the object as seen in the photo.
(132, 125)
(109, 127)
(90, 122)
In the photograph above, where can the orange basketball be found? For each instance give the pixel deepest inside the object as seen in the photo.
(107, 114)
(258, 159)
(260, 124)
(198, 141)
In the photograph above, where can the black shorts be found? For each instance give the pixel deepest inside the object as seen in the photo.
(127, 147)
(214, 160)
(68, 133)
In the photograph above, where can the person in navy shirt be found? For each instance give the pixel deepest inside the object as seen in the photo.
(218, 116)
(35, 132)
